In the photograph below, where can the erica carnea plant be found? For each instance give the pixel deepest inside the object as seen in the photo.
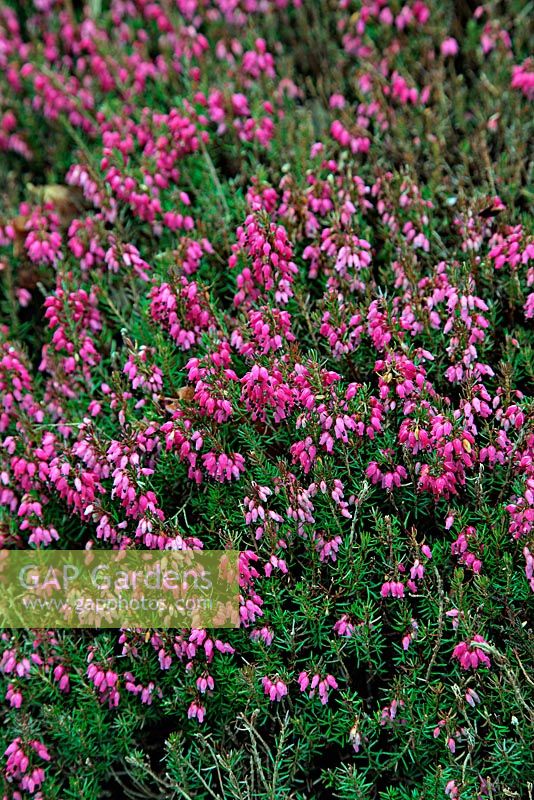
(267, 274)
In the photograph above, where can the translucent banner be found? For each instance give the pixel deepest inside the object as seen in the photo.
(119, 589)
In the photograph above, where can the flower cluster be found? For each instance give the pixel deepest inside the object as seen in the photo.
(470, 655)
(19, 765)
(317, 683)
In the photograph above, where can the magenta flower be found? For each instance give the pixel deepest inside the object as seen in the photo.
(322, 685)
(274, 688)
(469, 655)
(392, 588)
(344, 626)
(196, 711)
(449, 47)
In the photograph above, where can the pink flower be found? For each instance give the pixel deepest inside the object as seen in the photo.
(449, 47)
(469, 655)
(196, 711)
(451, 790)
(317, 683)
(205, 682)
(460, 549)
(14, 696)
(472, 697)
(274, 688)
(523, 78)
(344, 627)
(392, 588)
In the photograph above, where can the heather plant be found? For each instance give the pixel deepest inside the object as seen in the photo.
(267, 273)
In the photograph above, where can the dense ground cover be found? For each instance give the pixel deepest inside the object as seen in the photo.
(267, 277)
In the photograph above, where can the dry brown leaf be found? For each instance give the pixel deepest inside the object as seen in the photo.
(20, 233)
(68, 201)
(183, 395)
